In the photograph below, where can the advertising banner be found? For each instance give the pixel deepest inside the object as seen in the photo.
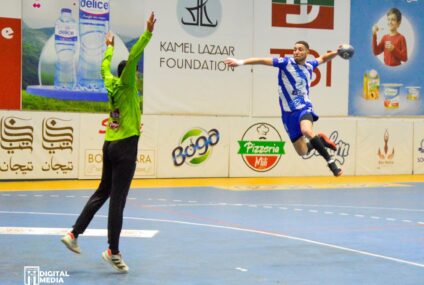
(261, 147)
(418, 147)
(36, 145)
(279, 24)
(63, 47)
(185, 71)
(192, 147)
(384, 147)
(386, 72)
(93, 126)
(10, 54)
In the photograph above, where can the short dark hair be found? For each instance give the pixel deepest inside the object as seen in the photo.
(303, 43)
(396, 12)
(121, 67)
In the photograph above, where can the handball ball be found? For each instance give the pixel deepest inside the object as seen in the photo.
(346, 51)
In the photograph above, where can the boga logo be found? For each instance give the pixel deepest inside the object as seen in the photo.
(311, 14)
(195, 146)
(261, 147)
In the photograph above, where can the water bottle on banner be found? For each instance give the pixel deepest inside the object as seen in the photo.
(93, 26)
(65, 46)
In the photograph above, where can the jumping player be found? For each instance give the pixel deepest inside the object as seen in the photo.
(119, 149)
(294, 80)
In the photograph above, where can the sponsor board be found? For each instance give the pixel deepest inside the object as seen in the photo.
(384, 147)
(261, 147)
(38, 145)
(192, 147)
(195, 38)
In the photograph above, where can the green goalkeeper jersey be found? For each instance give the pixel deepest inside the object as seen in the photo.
(124, 101)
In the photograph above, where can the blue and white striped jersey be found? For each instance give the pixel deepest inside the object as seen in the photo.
(294, 82)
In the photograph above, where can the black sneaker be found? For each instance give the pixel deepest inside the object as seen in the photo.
(333, 167)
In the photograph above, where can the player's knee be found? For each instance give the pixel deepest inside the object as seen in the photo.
(301, 152)
(308, 133)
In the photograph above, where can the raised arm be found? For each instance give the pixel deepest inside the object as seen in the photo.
(327, 57)
(105, 70)
(233, 62)
(128, 74)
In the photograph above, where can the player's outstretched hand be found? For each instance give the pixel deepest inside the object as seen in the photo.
(233, 62)
(110, 39)
(151, 22)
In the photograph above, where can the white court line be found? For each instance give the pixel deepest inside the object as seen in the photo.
(357, 207)
(62, 231)
(398, 260)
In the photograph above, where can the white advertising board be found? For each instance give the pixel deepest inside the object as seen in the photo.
(13, 8)
(184, 68)
(418, 147)
(192, 147)
(275, 34)
(39, 145)
(261, 147)
(91, 157)
(384, 146)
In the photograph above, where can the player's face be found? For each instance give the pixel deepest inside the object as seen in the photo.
(392, 22)
(300, 52)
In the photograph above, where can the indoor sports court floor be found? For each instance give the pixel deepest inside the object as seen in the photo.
(351, 230)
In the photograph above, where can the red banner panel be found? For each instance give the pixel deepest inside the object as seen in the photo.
(10, 63)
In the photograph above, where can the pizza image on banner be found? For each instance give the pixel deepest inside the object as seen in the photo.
(310, 14)
(261, 147)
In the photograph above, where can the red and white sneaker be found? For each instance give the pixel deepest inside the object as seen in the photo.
(115, 260)
(71, 242)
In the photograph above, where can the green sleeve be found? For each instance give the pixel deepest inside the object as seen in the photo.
(128, 74)
(106, 74)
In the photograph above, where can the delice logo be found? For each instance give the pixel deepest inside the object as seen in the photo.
(311, 14)
(261, 147)
(199, 18)
(195, 146)
(95, 4)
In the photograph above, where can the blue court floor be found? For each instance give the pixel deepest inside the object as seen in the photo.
(352, 234)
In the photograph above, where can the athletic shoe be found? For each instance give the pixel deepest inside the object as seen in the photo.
(115, 260)
(327, 142)
(71, 242)
(333, 167)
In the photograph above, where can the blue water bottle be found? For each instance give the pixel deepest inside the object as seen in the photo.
(65, 45)
(93, 26)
